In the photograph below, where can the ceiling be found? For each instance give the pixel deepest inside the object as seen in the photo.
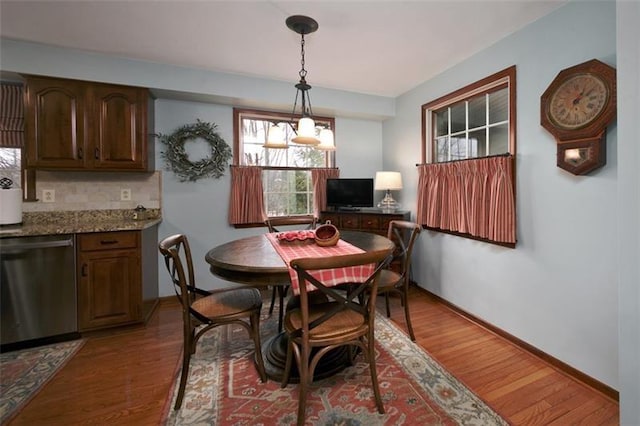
(383, 47)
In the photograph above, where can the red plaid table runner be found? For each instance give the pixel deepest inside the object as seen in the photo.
(329, 277)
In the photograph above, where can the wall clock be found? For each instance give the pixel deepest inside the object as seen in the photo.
(576, 109)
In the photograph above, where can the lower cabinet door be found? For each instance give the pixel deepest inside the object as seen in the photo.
(109, 284)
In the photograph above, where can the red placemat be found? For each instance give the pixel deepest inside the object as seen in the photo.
(329, 277)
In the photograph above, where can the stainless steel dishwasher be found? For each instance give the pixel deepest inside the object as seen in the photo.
(38, 290)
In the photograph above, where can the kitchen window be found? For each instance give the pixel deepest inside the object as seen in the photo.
(286, 173)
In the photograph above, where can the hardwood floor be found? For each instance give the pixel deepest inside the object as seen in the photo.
(124, 377)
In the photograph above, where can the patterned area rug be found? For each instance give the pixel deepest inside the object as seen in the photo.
(23, 373)
(224, 388)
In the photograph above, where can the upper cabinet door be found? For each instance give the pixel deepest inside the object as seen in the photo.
(120, 127)
(81, 125)
(55, 126)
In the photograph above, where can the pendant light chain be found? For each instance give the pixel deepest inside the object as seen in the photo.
(303, 72)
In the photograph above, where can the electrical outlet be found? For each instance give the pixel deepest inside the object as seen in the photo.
(48, 195)
(125, 194)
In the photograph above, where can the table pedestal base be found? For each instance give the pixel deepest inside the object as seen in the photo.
(274, 354)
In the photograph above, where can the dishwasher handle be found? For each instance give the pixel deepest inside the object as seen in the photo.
(34, 246)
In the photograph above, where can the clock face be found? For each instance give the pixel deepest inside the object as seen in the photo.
(578, 101)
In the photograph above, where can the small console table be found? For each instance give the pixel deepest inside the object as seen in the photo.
(368, 220)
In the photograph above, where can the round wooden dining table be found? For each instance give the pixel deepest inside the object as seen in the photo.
(254, 261)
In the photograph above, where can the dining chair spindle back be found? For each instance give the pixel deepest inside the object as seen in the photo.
(203, 310)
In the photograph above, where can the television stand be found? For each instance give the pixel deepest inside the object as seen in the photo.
(368, 220)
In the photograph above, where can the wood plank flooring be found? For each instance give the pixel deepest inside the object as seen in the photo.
(124, 377)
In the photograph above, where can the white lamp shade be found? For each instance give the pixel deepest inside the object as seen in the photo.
(306, 132)
(326, 140)
(388, 180)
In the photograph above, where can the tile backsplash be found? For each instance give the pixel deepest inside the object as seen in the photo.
(73, 191)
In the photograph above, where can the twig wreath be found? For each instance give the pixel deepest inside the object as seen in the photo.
(178, 161)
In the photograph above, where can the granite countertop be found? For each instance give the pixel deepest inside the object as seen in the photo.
(78, 222)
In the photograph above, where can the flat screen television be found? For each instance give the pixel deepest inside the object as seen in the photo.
(349, 194)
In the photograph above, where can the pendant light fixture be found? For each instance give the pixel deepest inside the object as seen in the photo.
(306, 131)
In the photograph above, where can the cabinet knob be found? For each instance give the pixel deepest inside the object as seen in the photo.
(80, 153)
(84, 270)
(96, 154)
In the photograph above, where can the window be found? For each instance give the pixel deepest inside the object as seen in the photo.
(286, 176)
(467, 177)
(473, 122)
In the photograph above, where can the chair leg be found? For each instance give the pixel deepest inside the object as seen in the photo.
(274, 289)
(282, 292)
(187, 350)
(386, 301)
(255, 334)
(404, 296)
(374, 375)
(287, 367)
(305, 382)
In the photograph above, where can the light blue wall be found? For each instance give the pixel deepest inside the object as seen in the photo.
(628, 59)
(557, 289)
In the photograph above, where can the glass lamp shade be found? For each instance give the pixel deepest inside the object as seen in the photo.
(275, 138)
(326, 140)
(306, 132)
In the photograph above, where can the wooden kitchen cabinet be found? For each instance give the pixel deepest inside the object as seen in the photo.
(363, 220)
(79, 125)
(109, 279)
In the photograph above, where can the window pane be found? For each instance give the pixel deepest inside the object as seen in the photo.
(287, 192)
(498, 139)
(477, 112)
(10, 165)
(442, 150)
(458, 117)
(441, 122)
(477, 143)
(499, 106)
(458, 148)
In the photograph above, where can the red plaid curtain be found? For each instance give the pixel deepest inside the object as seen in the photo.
(319, 180)
(474, 197)
(247, 203)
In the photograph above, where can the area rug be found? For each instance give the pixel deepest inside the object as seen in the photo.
(23, 373)
(224, 388)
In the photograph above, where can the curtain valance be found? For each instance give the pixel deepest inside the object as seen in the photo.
(474, 197)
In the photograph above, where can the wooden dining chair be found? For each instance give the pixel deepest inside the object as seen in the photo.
(203, 310)
(395, 279)
(275, 224)
(341, 319)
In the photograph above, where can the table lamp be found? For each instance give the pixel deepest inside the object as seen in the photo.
(388, 181)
